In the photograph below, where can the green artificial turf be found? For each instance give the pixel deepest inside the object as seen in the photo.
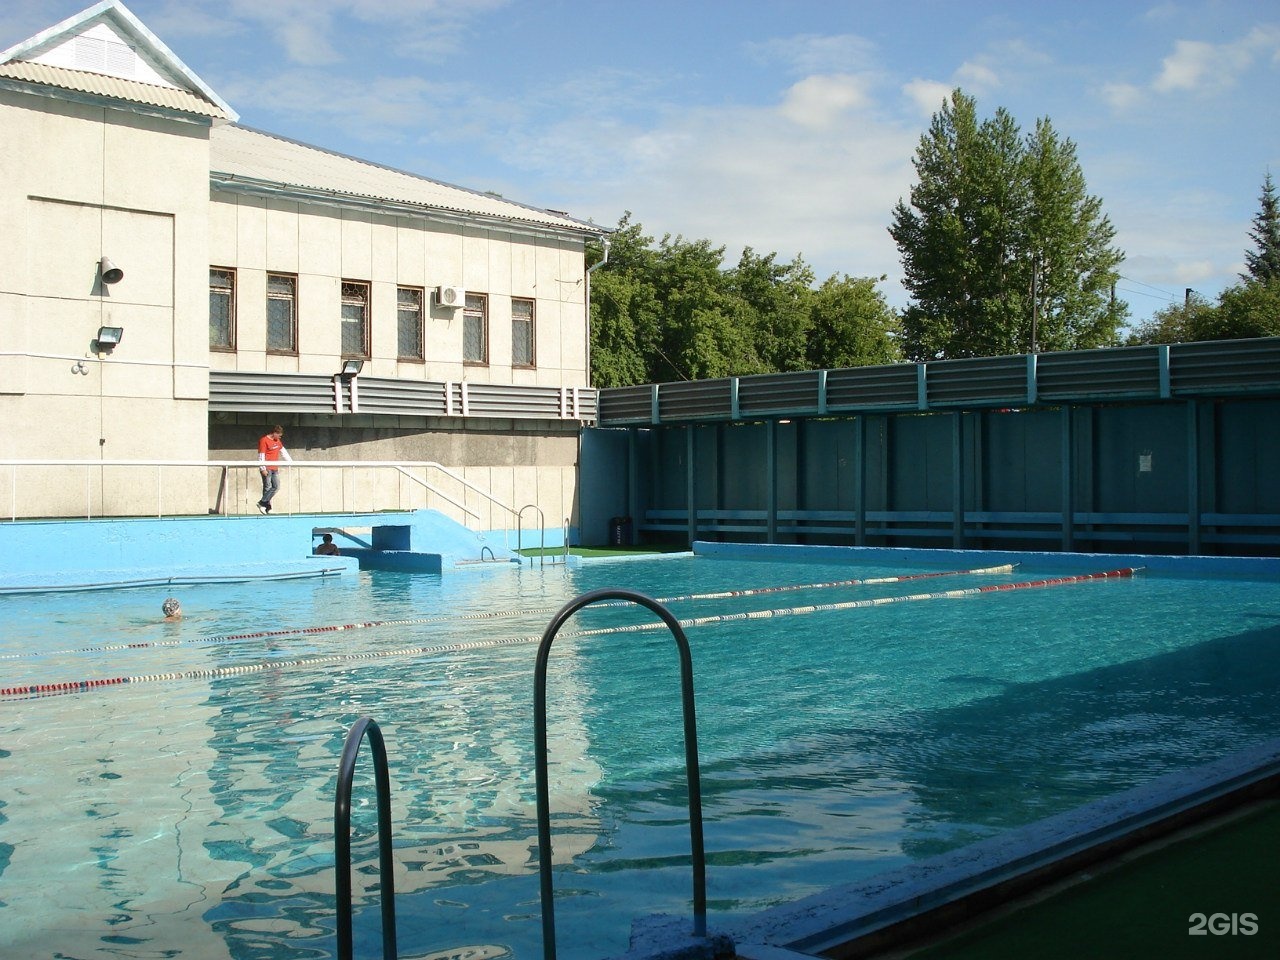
(1145, 907)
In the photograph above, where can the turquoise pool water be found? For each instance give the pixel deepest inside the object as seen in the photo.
(190, 815)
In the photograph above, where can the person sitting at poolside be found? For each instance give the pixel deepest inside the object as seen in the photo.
(327, 548)
(171, 609)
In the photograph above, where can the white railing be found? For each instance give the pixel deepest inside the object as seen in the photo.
(160, 488)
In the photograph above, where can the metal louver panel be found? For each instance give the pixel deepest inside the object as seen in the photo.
(1225, 366)
(1090, 374)
(240, 392)
(779, 393)
(401, 397)
(695, 399)
(1216, 368)
(872, 388)
(978, 381)
(623, 405)
(521, 403)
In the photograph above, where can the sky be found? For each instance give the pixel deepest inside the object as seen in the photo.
(788, 127)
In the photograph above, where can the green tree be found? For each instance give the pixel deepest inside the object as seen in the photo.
(1245, 310)
(1001, 235)
(672, 311)
(1177, 323)
(1264, 261)
(773, 303)
(626, 317)
(851, 325)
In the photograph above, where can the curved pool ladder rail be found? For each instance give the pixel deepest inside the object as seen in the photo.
(547, 892)
(365, 726)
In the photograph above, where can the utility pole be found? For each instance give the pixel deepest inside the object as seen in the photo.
(1035, 297)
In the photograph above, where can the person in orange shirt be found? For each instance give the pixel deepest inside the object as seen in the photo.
(270, 451)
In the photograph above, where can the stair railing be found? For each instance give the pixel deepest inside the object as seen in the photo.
(546, 888)
(363, 727)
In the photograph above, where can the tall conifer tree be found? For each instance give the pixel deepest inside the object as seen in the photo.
(1003, 249)
(1264, 261)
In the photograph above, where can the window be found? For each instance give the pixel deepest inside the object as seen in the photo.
(521, 333)
(475, 329)
(222, 309)
(355, 318)
(409, 323)
(282, 313)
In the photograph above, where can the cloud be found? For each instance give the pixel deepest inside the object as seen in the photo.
(815, 175)
(1207, 69)
(1122, 97)
(977, 77)
(318, 33)
(927, 95)
(819, 101)
(816, 54)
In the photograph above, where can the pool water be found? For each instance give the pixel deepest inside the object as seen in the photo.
(190, 814)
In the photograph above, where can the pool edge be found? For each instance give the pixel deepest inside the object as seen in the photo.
(892, 908)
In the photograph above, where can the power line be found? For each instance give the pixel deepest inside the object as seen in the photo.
(1142, 293)
(1161, 291)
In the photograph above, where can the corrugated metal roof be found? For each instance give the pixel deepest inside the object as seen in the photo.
(238, 151)
(130, 91)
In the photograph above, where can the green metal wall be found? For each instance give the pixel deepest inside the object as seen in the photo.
(1180, 476)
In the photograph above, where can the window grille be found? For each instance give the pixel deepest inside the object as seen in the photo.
(222, 309)
(475, 329)
(355, 318)
(409, 339)
(522, 333)
(282, 313)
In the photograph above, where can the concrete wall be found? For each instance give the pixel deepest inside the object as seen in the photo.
(517, 462)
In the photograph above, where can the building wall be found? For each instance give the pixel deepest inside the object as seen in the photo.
(79, 185)
(324, 245)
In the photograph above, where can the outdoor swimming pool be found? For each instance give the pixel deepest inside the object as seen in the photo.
(190, 813)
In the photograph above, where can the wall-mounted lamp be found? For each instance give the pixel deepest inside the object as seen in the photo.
(109, 272)
(108, 338)
(351, 368)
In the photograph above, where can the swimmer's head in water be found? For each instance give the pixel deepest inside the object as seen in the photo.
(171, 607)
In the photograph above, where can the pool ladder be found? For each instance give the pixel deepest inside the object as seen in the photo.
(366, 726)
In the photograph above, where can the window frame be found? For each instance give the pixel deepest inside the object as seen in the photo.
(345, 300)
(470, 314)
(531, 322)
(230, 345)
(421, 338)
(292, 300)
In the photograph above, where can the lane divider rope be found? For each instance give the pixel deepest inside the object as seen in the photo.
(215, 672)
(498, 614)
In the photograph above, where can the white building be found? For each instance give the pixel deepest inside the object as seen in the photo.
(241, 272)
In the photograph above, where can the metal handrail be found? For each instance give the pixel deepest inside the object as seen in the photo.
(546, 889)
(542, 527)
(365, 726)
(401, 466)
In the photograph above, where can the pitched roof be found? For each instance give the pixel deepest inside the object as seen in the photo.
(106, 51)
(244, 158)
(80, 81)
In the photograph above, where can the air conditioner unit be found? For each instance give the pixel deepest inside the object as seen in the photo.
(450, 297)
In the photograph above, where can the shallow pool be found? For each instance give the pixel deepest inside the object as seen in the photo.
(188, 812)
